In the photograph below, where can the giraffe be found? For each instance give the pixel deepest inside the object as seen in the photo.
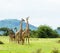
(23, 36)
(27, 30)
(18, 34)
(11, 35)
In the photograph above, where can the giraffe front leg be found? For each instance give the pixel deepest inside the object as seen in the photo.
(28, 39)
(23, 39)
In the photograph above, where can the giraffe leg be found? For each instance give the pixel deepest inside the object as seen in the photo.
(18, 40)
(22, 41)
(28, 38)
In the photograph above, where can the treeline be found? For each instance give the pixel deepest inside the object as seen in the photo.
(4, 31)
(42, 31)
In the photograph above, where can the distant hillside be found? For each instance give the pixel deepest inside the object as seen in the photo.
(12, 23)
(58, 30)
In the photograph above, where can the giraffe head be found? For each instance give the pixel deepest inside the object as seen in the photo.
(22, 19)
(27, 18)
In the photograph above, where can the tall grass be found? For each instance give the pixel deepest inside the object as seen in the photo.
(46, 45)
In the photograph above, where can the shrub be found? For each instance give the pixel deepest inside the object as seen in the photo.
(1, 42)
(58, 41)
(55, 50)
(38, 51)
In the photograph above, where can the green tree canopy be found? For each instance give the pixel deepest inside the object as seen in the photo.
(6, 31)
(33, 33)
(46, 32)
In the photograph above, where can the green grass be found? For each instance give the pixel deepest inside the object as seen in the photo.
(47, 45)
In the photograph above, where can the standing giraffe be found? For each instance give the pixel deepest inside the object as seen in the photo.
(11, 35)
(19, 33)
(27, 30)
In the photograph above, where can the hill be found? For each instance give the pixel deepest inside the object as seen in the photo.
(12, 23)
(58, 31)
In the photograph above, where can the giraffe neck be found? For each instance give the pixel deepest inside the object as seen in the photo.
(27, 25)
(21, 25)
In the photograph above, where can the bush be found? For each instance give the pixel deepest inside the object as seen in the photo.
(1, 42)
(46, 32)
(37, 51)
(58, 41)
(55, 50)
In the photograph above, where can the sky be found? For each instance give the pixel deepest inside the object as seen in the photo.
(41, 12)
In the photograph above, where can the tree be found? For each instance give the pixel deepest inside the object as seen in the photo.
(6, 31)
(33, 33)
(46, 32)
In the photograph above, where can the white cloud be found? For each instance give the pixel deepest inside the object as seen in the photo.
(57, 1)
(40, 11)
(53, 22)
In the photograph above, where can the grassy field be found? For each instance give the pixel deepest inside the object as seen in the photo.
(46, 45)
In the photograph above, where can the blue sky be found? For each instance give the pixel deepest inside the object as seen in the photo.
(40, 11)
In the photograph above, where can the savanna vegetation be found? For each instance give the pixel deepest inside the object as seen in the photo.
(42, 31)
(37, 45)
(6, 31)
(42, 40)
